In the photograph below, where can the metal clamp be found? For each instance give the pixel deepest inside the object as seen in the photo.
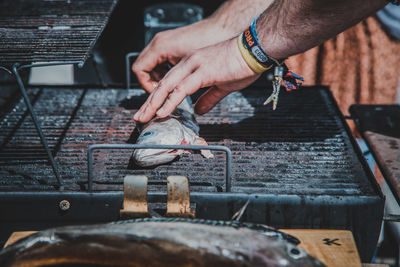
(128, 56)
(228, 166)
(135, 197)
(178, 197)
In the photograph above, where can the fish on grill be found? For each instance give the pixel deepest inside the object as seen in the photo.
(158, 242)
(180, 128)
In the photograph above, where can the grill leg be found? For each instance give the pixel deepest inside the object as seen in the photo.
(37, 125)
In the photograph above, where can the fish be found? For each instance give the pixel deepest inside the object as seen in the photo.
(159, 242)
(179, 128)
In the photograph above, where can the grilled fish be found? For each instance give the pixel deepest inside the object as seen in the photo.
(158, 242)
(180, 128)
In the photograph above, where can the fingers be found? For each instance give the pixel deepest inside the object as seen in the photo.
(187, 87)
(166, 86)
(142, 68)
(147, 61)
(209, 99)
(143, 114)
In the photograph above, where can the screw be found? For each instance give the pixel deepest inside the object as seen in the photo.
(64, 205)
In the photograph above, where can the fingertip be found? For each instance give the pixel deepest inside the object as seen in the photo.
(161, 113)
(134, 67)
(145, 118)
(168, 107)
(136, 116)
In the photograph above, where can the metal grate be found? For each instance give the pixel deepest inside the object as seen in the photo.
(50, 30)
(300, 149)
(380, 127)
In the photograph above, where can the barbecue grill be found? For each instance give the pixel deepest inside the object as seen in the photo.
(47, 31)
(298, 166)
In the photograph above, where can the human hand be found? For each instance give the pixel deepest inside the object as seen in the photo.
(220, 66)
(171, 45)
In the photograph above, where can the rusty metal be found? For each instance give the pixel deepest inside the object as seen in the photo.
(135, 197)
(379, 125)
(302, 149)
(298, 165)
(228, 165)
(48, 31)
(178, 197)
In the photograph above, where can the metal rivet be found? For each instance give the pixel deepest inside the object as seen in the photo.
(64, 205)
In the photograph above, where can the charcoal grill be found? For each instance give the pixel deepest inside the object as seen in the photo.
(298, 165)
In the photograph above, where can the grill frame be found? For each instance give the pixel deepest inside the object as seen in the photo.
(38, 210)
(56, 30)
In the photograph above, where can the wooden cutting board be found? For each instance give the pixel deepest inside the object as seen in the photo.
(332, 247)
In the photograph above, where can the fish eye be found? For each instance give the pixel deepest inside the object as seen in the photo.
(295, 252)
(147, 134)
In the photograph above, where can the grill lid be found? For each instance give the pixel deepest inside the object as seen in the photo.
(46, 31)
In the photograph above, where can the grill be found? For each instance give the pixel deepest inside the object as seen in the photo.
(300, 149)
(36, 31)
(380, 127)
(298, 165)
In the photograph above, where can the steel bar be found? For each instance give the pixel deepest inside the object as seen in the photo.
(37, 125)
(46, 64)
(228, 166)
(391, 217)
(6, 70)
(128, 56)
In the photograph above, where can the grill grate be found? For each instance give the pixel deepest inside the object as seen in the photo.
(45, 31)
(300, 149)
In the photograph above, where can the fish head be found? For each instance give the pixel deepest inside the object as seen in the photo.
(292, 255)
(167, 131)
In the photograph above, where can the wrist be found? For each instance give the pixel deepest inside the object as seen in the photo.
(247, 56)
(239, 53)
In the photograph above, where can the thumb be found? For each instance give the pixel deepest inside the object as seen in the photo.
(209, 99)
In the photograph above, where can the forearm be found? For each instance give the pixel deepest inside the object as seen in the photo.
(290, 27)
(234, 16)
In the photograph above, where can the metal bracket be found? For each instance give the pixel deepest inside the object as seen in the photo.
(391, 217)
(135, 197)
(128, 56)
(15, 72)
(178, 197)
(228, 166)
